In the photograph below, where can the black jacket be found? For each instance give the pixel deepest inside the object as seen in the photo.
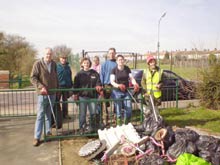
(87, 79)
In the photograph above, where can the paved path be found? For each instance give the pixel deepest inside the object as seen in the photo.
(16, 136)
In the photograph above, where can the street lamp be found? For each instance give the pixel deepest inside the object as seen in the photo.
(158, 42)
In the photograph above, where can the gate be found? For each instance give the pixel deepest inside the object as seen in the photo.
(17, 102)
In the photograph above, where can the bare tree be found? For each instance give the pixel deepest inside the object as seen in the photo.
(17, 55)
(61, 50)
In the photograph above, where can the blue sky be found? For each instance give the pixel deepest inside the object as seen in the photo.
(127, 25)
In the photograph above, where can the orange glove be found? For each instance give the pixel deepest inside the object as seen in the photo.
(122, 87)
(98, 88)
(43, 91)
(136, 88)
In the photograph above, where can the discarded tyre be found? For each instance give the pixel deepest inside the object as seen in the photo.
(93, 149)
(89, 148)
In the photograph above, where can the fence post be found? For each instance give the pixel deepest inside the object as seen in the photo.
(177, 89)
(19, 81)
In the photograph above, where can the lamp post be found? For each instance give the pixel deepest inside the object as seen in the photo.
(158, 42)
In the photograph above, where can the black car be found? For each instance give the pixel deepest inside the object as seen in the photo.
(172, 83)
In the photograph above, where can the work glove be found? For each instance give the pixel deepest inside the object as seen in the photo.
(122, 87)
(43, 91)
(101, 94)
(136, 88)
(99, 89)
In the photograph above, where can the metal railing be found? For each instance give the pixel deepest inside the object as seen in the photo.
(23, 102)
(17, 102)
(106, 117)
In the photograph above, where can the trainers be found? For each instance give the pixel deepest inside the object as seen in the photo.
(36, 142)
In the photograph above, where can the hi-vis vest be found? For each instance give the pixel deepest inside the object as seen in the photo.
(152, 80)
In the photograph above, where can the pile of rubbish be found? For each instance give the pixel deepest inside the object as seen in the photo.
(152, 143)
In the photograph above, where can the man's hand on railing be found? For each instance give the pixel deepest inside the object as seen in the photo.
(43, 91)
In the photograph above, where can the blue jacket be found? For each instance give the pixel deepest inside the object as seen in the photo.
(105, 72)
(64, 75)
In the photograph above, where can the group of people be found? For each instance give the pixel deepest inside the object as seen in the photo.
(111, 79)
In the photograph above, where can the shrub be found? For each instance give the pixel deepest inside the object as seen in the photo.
(212, 59)
(209, 89)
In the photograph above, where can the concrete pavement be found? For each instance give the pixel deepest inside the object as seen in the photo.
(16, 137)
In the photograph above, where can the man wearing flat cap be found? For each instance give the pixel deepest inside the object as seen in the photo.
(65, 81)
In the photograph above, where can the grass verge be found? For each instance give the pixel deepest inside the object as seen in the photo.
(190, 73)
(208, 120)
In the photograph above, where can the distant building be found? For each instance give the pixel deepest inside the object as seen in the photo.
(4, 79)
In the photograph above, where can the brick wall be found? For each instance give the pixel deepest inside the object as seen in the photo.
(4, 79)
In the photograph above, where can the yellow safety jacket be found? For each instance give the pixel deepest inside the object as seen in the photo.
(152, 80)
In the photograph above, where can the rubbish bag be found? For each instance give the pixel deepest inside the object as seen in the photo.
(210, 156)
(207, 143)
(149, 145)
(181, 146)
(169, 138)
(186, 134)
(209, 149)
(206, 155)
(216, 159)
(152, 159)
(190, 159)
(150, 126)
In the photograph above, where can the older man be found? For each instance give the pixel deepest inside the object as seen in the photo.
(44, 77)
(65, 81)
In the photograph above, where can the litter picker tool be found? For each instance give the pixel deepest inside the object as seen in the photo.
(139, 107)
(51, 108)
(153, 107)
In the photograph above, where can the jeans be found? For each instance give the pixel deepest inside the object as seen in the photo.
(64, 95)
(117, 94)
(92, 106)
(43, 107)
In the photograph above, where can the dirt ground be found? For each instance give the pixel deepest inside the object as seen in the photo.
(70, 149)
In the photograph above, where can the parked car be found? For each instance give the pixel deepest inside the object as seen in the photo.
(186, 89)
